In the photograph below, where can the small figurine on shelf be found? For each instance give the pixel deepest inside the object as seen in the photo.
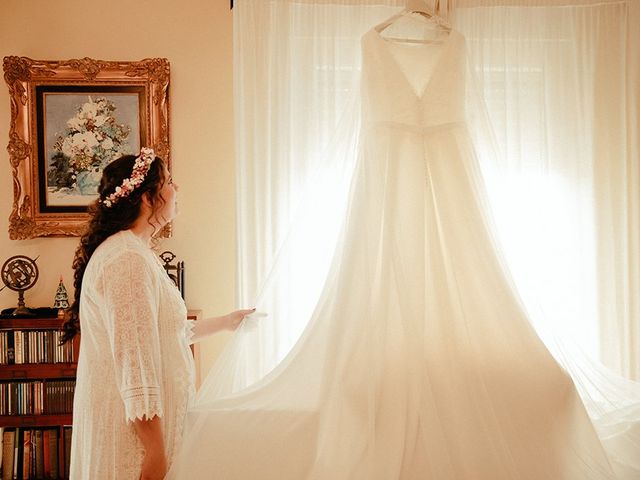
(62, 299)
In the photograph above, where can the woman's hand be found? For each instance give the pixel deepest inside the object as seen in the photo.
(231, 321)
(154, 466)
(209, 326)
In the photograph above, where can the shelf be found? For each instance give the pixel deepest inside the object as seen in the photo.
(35, 420)
(37, 371)
(30, 323)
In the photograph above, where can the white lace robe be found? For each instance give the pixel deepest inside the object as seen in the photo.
(134, 360)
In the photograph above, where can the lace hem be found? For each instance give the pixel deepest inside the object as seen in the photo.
(142, 403)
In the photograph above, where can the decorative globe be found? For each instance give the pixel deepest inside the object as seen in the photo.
(19, 273)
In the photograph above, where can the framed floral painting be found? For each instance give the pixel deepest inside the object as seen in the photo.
(70, 119)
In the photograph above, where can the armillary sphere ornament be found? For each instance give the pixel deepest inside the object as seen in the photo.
(20, 273)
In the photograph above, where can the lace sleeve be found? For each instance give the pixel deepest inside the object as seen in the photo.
(131, 303)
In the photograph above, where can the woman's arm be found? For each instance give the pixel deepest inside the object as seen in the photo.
(209, 326)
(154, 465)
(131, 311)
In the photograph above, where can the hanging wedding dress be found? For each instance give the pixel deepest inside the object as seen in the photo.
(418, 362)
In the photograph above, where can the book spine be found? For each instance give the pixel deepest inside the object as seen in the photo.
(11, 351)
(46, 454)
(8, 446)
(39, 454)
(18, 346)
(16, 455)
(25, 350)
(53, 454)
(67, 451)
(26, 454)
(3, 348)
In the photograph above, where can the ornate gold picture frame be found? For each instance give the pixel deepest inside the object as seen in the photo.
(69, 119)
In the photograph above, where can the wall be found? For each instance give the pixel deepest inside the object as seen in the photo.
(196, 37)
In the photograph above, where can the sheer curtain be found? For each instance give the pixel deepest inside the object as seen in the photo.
(559, 84)
(296, 71)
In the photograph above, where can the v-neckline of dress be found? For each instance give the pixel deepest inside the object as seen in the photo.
(387, 43)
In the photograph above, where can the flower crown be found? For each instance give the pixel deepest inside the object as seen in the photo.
(140, 169)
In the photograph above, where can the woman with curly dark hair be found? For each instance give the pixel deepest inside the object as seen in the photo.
(135, 369)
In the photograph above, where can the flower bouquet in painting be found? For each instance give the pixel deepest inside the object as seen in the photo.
(92, 138)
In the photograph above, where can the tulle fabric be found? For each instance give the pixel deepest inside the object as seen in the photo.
(418, 361)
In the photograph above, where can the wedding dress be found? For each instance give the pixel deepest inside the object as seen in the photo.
(419, 361)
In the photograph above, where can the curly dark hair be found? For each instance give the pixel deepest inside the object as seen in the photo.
(107, 221)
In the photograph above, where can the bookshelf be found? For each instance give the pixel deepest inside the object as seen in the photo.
(37, 379)
(57, 425)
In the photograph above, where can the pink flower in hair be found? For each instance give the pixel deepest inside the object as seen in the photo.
(140, 170)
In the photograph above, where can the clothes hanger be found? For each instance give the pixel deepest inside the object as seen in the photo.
(418, 7)
(421, 7)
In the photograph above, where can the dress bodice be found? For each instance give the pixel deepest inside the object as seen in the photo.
(390, 94)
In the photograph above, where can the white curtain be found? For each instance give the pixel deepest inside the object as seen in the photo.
(296, 67)
(562, 102)
(560, 83)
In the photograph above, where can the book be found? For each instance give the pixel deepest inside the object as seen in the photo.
(45, 454)
(67, 451)
(26, 454)
(10, 348)
(16, 454)
(39, 454)
(53, 454)
(8, 440)
(17, 339)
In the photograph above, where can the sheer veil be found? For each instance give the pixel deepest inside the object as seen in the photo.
(418, 341)
(250, 356)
